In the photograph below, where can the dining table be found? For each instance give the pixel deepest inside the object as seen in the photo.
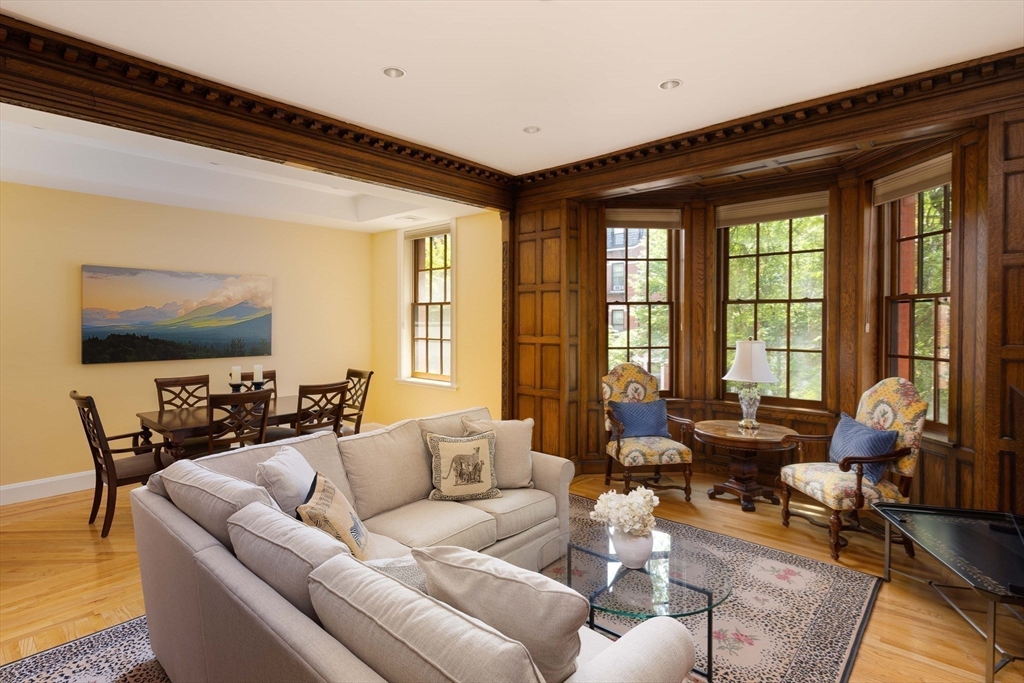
(178, 424)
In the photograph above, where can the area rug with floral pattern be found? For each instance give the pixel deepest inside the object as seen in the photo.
(788, 618)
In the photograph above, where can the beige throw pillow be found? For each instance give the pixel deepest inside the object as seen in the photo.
(405, 635)
(288, 478)
(513, 441)
(328, 510)
(463, 467)
(526, 606)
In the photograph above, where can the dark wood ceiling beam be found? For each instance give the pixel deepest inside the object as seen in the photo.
(939, 99)
(49, 71)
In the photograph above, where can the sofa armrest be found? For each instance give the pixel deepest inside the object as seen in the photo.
(659, 650)
(553, 474)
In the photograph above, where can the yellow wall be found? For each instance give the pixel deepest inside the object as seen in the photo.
(321, 326)
(477, 319)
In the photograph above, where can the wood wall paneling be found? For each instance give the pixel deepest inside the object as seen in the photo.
(1005, 291)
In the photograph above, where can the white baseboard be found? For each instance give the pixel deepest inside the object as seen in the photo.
(44, 488)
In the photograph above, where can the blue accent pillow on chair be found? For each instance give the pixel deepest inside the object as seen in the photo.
(641, 419)
(853, 438)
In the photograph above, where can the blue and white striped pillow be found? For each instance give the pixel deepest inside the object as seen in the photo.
(853, 438)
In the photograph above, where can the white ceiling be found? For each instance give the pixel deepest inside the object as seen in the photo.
(43, 149)
(586, 73)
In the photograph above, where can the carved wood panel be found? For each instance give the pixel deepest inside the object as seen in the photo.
(1005, 291)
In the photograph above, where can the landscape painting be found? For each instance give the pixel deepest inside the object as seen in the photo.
(134, 314)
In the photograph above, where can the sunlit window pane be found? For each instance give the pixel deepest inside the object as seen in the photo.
(639, 300)
(431, 312)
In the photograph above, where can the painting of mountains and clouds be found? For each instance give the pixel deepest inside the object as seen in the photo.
(132, 314)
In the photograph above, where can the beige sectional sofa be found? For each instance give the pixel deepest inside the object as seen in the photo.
(211, 618)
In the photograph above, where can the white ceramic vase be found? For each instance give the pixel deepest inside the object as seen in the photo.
(633, 551)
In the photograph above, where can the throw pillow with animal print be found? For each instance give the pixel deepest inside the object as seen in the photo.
(327, 509)
(463, 467)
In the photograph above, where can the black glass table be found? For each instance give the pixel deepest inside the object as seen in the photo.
(985, 549)
(675, 582)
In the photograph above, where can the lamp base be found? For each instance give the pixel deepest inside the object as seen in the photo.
(750, 399)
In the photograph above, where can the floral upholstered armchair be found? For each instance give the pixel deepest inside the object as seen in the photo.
(892, 404)
(629, 383)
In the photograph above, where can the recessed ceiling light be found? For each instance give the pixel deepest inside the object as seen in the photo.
(670, 84)
(531, 130)
(393, 72)
(408, 218)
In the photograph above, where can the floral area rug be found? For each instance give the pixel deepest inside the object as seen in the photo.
(788, 618)
(119, 654)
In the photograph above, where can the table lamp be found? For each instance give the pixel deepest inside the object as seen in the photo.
(750, 367)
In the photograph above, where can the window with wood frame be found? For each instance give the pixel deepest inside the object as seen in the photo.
(431, 312)
(639, 293)
(918, 295)
(773, 275)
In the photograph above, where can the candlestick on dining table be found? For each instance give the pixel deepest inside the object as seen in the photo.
(257, 373)
(236, 374)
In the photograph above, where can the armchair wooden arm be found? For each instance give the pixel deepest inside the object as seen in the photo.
(801, 439)
(858, 462)
(617, 428)
(685, 425)
(134, 436)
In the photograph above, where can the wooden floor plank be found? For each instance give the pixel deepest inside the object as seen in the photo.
(60, 581)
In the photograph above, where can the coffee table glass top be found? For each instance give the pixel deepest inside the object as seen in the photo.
(677, 581)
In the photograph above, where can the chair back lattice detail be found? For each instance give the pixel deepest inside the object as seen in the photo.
(628, 383)
(895, 404)
(358, 390)
(99, 448)
(321, 405)
(237, 418)
(269, 381)
(182, 392)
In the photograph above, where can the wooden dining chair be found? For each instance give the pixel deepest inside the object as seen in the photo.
(114, 472)
(237, 419)
(355, 403)
(182, 392)
(269, 381)
(175, 393)
(318, 409)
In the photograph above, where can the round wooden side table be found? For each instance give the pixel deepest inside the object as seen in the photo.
(743, 446)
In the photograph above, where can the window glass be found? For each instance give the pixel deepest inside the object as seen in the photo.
(774, 291)
(431, 308)
(639, 301)
(918, 296)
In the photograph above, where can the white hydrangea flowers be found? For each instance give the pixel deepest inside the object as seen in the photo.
(631, 513)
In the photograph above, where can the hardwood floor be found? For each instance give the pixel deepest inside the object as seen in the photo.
(59, 581)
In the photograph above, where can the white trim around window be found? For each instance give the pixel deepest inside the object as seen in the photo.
(406, 298)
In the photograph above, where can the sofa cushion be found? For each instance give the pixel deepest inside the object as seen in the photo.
(517, 510)
(534, 609)
(462, 467)
(384, 547)
(329, 511)
(288, 478)
(436, 522)
(210, 498)
(450, 424)
(404, 635)
(319, 450)
(387, 468)
(281, 550)
(513, 463)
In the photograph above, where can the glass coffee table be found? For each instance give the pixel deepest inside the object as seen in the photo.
(678, 581)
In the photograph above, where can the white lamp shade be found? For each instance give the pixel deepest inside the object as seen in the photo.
(751, 364)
